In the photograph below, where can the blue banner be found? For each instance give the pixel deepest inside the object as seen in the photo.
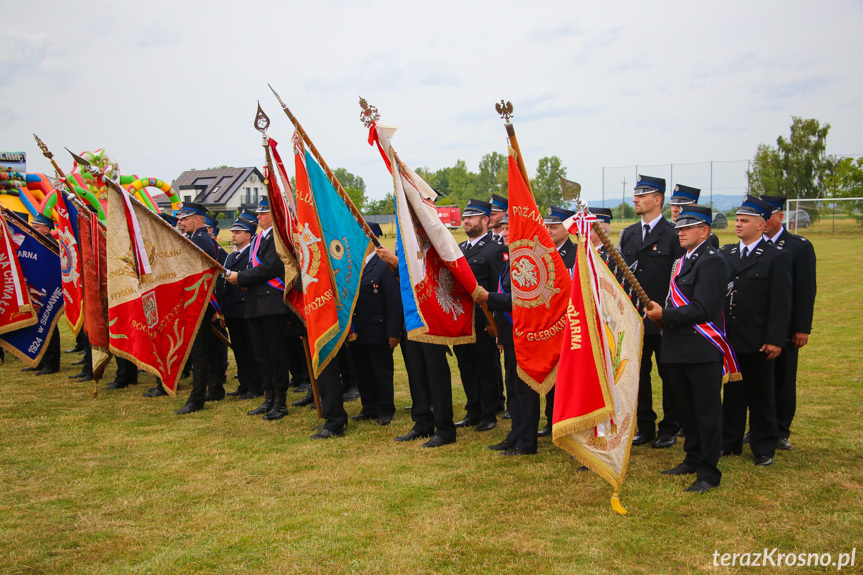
(40, 264)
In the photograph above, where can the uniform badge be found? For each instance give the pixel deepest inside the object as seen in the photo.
(532, 273)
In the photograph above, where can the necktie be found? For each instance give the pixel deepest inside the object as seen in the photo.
(646, 231)
(744, 253)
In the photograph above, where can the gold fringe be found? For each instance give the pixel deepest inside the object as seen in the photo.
(732, 377)
(541, 388)
(17, 353)
(615, 504)
(562, 429)
(21, 324)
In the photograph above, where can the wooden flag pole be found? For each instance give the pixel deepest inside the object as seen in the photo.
(332, 177)
(315, 394)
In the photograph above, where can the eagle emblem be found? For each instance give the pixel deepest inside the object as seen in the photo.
(532, 273)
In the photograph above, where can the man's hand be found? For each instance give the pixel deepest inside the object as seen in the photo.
(388, 256)
(232, 277)
(394, 341)
(482, 296)
(772, 351)
(800, 339)
(654, 312)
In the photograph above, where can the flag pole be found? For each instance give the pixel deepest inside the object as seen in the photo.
(315, 393)
(505, 111)
(332, 177)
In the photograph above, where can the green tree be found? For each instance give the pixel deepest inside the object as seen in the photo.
(491, 178)
(354, 186)
(546, 184)
(380, 207)
(843, 178)
(765, 177)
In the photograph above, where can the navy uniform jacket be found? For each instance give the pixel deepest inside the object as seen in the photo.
(486, 260)
(500, 303)
(803, 284)
(703, 280)
(758, 301)
(654, 258)
(233, 298)
(202, 239)
(262, 299)
(378, 313)
(567, 253)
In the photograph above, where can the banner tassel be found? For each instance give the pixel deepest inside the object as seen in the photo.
(615, 504)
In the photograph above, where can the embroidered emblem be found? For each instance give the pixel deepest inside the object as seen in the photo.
(532, 273)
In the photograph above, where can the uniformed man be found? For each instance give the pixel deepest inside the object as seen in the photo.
(554, 218)
(649, 248)
(50, 362)
(499, 205)
(377, 322)
(478, 362)
(206, 373)
(219, 345)
(603, 218)
(693, 362)
(523, 400)
(803, 288)
(269, 321)
(234, 308)
(687, 196)
(757, 309)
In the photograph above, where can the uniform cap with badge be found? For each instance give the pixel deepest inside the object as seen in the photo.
(499, 203)
(692, 215)
(649, 185)
(683, 195)
(477, 208)
(603, 215)
(557, 215)
(44, 220)
(191, 209)
(263, 205)
(778, 202)
(753, 206)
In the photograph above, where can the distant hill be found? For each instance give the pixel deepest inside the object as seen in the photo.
(721, 202)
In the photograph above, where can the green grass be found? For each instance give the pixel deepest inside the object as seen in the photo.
(118, 484)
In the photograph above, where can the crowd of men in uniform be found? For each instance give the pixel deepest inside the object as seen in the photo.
(759, 292)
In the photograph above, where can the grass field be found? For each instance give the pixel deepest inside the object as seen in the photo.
(119, 484)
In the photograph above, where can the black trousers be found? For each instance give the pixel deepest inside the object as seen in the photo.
(523, 406)
(549, 406)
(698, 391)
(51, 357)
(127, 372)
(84, 341)
(373, 366)
(477, 364)
(645, 415)
(756, 392)
(786, 388)
(208, 368)
(297, 361)
(346, 369)
(270, 341)
(218, 353)
(244, 353)
(430, 384)
(330, 390)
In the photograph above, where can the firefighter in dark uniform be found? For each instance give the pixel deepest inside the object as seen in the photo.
(693, 364)
(377, 322)
(219, 347)
(554, 218)
(757, 308)
(687, 196)
(264, 281)
(499, 205)
(649, 248)
(803, 288)
(523, 401)
(234, 308)
(204, 373)
(603, 217)
(478, 362)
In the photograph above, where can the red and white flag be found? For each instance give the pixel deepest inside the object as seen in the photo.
(16, 309)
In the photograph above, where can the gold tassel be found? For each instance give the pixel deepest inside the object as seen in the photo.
(615, 504)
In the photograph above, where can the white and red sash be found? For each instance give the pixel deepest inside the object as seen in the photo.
(713, 334)
(275, 282)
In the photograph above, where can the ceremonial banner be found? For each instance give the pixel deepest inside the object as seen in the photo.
(154, 311)
(333, 250)
(16, 310)
(70, 260)
(91, 236)
(437, 284)
(597, 384)
(40, 264)
(540, 288)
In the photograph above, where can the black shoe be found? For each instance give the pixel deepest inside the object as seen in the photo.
(582, 469)
(308, 399)
(264, 407)
(239, 391)
(76, 349)
(189, 408)
(763, 461)
(545, 431)
(727, 452)
(746, 437)
(784, 444)
(47, 371)
(664, 441)
(252, 395)
(682, 469)
(157, 391)
(116, 385)
(325, 433)
(700, 487)
(79, 362)
(303, 388)
(87, 377)
(352, 394)
(412, 435)
(384, 420)
(681, 434)
(362, 417)
(31, 368)
(214, 395)
(437, 441)
(466, 422)
(642, 438)
(280, 407)
(516, 451)
(77, 375)
(502, 446)
(485, 426)
(506, 415)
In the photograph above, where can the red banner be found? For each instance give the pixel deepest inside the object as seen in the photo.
(540, 288)
(153, 318)
(91, 236)
(70, 264)
(16, 309)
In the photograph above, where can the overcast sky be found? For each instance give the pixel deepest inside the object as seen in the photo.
(169, 86)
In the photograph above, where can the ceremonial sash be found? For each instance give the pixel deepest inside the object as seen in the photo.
(716, 336)
(275, 282)
(500, 290)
